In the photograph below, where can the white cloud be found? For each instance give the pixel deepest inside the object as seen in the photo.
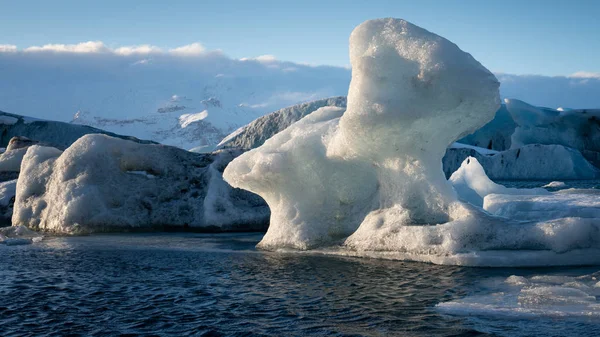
(189, 50)
(262, 58)
(585, 74)
(193, 49)
(141, 49)
(7, 48)
(84, 47)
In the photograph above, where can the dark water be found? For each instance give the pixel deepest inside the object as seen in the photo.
(211, 285)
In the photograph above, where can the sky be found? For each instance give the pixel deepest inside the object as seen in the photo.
(549, 37)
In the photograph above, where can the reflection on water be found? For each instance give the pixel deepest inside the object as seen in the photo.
(193, 284)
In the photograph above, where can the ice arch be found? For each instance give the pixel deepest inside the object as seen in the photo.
(378, 163)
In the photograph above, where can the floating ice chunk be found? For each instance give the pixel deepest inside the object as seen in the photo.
(472, 184)
(557, 296)
(18, 235)
(561, 204)
(555, 184)
(90, 187)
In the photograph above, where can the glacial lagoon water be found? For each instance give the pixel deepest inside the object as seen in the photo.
(179, 284)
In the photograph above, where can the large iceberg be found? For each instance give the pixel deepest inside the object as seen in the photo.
(101, 183)
(368, 181)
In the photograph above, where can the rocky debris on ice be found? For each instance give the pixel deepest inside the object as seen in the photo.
(95, 185)
(368, 181)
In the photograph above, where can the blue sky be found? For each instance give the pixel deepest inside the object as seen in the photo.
(521, 37)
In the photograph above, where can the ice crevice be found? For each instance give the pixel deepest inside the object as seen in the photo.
(368, 180)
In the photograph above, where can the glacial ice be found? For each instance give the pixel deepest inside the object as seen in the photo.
(530, 162)
(95, 185)
(575, 128)
(368, 181)
(472, 184)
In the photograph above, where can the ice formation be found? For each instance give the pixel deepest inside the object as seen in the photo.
(519, 297)
(368, 181)
(472, 184)
(382, 158)
(94, 186)
(535, 161)
(575, 128)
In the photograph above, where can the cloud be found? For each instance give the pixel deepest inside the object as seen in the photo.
(99, 47)
(7, 48)
(553, 91)
(84, 47)
(189, 50)
(141, 49)
(261, 59)
(585, 74)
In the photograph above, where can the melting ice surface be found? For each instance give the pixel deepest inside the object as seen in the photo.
(518, 297)
(368, 181)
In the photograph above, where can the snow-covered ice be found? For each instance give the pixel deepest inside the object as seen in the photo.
(368, 181)
(97, 184)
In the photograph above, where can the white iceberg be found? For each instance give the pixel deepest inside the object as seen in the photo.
(369, 181)
(95, 185)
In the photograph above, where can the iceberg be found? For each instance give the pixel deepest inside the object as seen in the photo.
(575, 128)
(472, 184)
(368, 181)
(101, 183)
(530, 162)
